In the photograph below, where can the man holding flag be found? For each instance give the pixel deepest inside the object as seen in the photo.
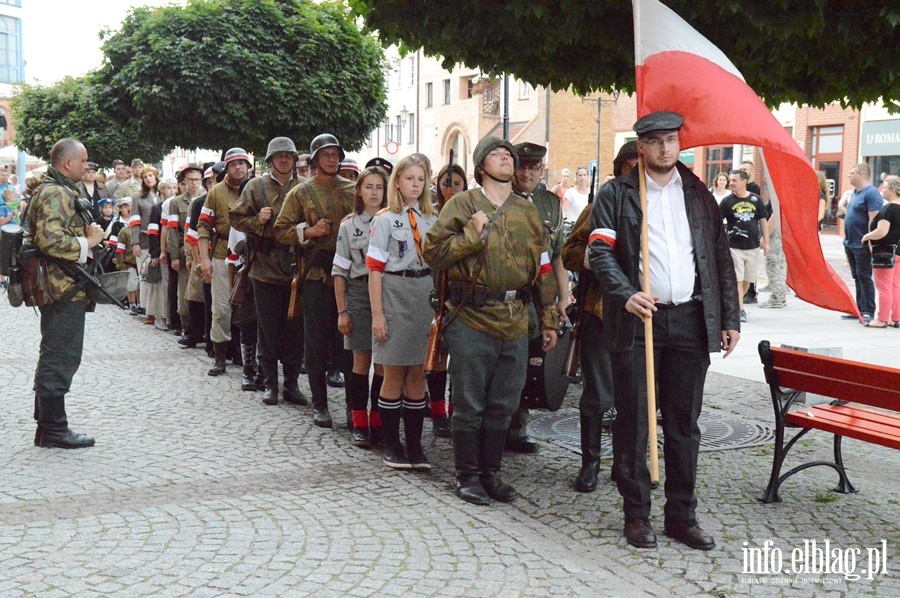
(693, 304)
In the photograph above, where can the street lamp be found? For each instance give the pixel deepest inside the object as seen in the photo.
(600, 101)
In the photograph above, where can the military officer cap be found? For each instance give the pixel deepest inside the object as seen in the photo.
(530, 152)
(380, 163)
(92, 166)
(658, 122)
(186, 169)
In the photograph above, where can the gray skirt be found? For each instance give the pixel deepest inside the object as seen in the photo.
(360, 308)
(408, 314)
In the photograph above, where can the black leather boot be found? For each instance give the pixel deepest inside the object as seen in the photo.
(437, 389)
(321, 415)
(221, 349)
(591, 426)
(491, 457)
(270, 371)
(248, 379)
(466, 446)
(53, 427)
(413, 422)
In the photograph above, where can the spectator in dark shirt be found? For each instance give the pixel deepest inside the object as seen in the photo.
(865, 202)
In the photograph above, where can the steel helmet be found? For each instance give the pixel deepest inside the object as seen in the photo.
(324, 140)
(281, 144)
(237, 153)
(486, 146)
(349, 164)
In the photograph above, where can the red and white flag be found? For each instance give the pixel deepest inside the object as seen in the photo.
(678, 69)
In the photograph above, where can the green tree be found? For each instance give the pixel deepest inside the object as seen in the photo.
(810, 52)
(44, 114)
(220, 73)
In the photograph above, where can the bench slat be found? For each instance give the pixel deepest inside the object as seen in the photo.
(861, 413)
(835, 368)
(851, 427)
(845, 389)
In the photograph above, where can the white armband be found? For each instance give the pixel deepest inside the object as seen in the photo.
(300, 228)
(83, 252)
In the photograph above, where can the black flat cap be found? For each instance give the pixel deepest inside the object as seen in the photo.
(658, 122)
(530, 152)
(381, 163)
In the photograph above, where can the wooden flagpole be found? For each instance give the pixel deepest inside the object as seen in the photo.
(648, 327)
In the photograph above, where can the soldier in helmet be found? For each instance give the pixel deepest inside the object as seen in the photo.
(492, 244)
(214, 224)
(60, 228)
(271, 270)
(309, 220)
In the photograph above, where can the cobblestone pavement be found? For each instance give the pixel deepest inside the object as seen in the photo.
(195, 488)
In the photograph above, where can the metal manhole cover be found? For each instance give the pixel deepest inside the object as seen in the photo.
(717, 433)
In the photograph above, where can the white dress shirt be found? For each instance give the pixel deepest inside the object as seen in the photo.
(672, 270)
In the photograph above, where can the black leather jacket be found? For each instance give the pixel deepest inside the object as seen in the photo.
(618, 207)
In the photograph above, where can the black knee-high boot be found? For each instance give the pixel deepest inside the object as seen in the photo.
(358, 392)
(437, 390)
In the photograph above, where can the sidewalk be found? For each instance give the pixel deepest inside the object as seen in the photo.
(196, 489)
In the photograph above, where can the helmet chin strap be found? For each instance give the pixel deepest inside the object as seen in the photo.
(490, 176)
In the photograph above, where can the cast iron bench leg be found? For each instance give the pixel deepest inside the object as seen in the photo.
(844, 486)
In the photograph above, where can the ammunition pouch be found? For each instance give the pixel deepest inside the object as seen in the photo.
(34, 276)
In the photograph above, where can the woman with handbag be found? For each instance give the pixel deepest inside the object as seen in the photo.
(400, 285)
(884, 236)
(351, 291)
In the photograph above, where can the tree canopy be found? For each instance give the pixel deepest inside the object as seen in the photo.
(811, 52)
(223, 73)
(45, 114)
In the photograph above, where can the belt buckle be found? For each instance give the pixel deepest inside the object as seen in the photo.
(510, 296)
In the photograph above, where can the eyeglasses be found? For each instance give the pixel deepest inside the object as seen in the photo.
(532, 168)
(192, 180)
(657, 142)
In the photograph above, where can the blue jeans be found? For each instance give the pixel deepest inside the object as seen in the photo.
(860, 261)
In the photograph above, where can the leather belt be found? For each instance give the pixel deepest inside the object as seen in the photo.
(411, 273)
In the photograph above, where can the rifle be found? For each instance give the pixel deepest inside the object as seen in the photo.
(435, 356)
(572, 363)
(295, 305)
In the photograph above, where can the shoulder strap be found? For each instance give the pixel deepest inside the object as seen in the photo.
(316, 202)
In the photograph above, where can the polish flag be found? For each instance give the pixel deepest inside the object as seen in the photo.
(678, 69)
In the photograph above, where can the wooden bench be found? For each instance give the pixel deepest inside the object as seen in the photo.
(858, 388)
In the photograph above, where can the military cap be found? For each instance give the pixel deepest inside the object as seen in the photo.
(123, 200)
(658, 122)
(92, 166)
(530, 152)
(380, 163)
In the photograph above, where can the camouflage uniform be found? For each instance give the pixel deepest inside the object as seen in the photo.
(59, 231)
(279, 338)
(335, 198)
(776, 271)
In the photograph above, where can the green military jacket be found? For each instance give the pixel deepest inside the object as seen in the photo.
(573, 259)
(179, 212)
(58, 230)
(515, 257)
(214, 219)
(336, 198)
(128, 188)
(124, 255)
(272, 266)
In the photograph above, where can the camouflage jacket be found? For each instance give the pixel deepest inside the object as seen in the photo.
(515, 258)
(336, 199)
(58, 230)
(573, 259)
(272, 260)
(214, 219)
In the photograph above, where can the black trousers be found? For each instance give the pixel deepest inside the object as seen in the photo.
(62, 341)
(279, 338)
(682, 359)
(172, 290)
(596, 368)
(320, 326)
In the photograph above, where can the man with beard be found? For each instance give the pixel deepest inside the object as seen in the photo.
(214, 224)
(309, 221)
(271, 270)
(693, 304)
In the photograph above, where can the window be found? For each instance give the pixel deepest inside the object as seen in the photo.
(429, 95)
(524, 90)
(411, 123)
(466, 86)
(719, 158)
(12, 2)
(446, 91)
(412, 71)
(10, 31)
(387, 130)
(828, 140)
